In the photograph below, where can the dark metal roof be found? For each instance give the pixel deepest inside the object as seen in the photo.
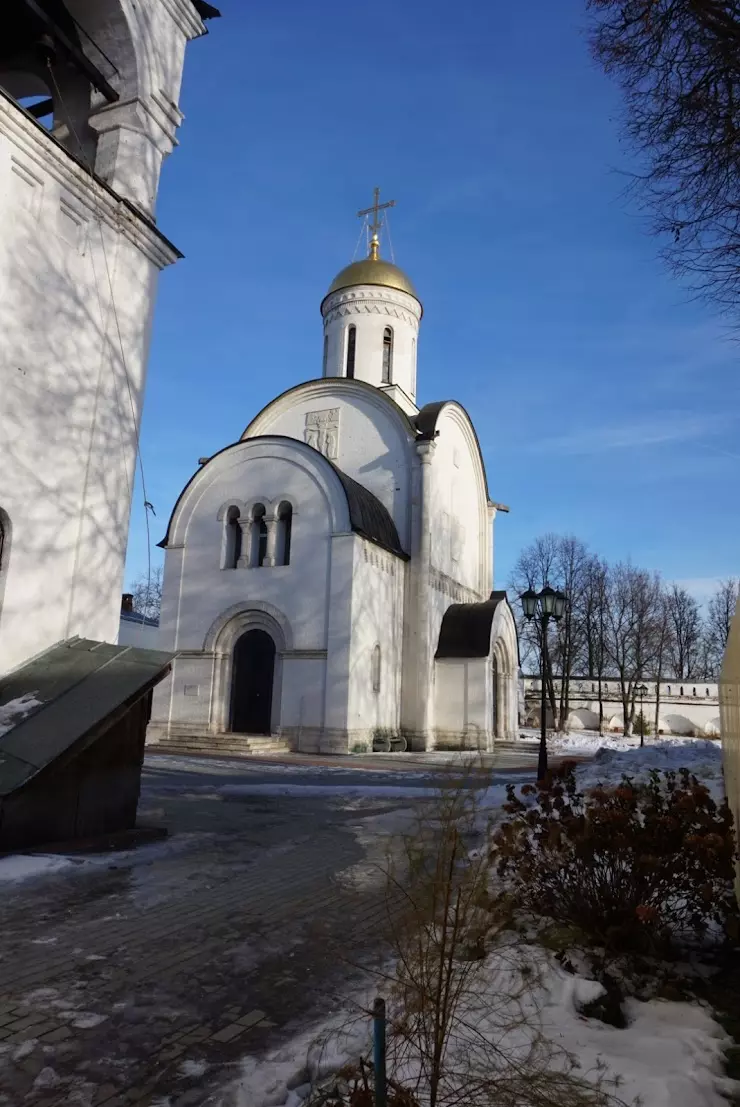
(426, 421)
(206, 11)
(368, 516)
(80, 684)
(466, 628)
(137, 617)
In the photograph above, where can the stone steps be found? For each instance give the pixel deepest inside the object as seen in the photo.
(220, 745)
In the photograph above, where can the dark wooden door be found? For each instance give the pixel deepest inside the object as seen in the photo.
(251, 683)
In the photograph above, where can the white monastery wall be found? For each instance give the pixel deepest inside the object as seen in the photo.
(133, 633)
(685, 706)
(78, 264)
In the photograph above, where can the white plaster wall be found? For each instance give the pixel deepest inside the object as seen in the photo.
(70, 391)
(377, 618)
(463, 703)
(199, 596)
(67, 429)
(374, 441)
(131, 633)
(460, 519)
(371, 309)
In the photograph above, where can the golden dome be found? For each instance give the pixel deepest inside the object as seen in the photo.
(373, 270)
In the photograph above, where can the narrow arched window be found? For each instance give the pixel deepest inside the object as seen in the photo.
(693, 691)
(285, 526)
(258, 552)
(326, 353)
(681, 691)
(668, 690)
(387, 355)
(707, 691)
(351, 347)
(232, 539)
(375, 667)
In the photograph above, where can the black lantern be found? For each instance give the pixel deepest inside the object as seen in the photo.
(547, 604)
(529, 603)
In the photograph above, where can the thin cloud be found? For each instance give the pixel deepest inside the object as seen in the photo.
(633, 435)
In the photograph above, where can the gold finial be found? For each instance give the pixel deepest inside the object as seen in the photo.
(376, 224)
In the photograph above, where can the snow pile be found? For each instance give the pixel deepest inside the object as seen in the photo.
(700, 756)
(14, 711)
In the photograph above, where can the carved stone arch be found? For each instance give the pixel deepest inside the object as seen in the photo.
(226, 507)
(240, 616)
(221, 640)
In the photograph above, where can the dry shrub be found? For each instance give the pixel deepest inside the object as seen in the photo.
(464, 992)
(634, 867)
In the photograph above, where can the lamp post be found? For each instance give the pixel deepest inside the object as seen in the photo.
(545, 605)
(642, 691)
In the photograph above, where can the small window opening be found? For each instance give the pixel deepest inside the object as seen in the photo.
(326, 353)
(707, 688)
(375, 667)
(233, 548)
(681, 690)
(693, 691)
(387, 355)
(259, 536)
(351, 347)
(285, 527)
(668, 690)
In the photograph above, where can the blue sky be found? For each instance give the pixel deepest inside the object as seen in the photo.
(605, 400)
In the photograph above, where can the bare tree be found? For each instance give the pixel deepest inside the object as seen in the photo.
(572, 577)
(678, 63)
(535, 567)
(686, 632)
(631, 620)
(720, 610)
(147, 593)
(594, 616)
(663, 649)
(562, 562)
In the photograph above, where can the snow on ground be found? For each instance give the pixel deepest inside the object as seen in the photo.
(700, 756)
(22, 866)
(588, 741)
(670, 1054)
(12, 712)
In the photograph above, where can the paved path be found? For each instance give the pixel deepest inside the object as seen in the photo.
(141, 978)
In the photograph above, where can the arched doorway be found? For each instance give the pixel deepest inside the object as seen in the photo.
(252, 678)
(496, 723)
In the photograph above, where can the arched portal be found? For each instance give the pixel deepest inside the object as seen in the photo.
(496, 693)
(252, 680)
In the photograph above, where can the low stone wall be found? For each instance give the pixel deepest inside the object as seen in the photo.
(686, 708)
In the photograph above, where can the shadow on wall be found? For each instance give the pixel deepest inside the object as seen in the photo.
(70, 423)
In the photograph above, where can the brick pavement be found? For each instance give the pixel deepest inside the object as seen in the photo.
(144, 979)
(111, 979)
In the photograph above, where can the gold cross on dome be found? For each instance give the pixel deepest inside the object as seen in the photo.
(377, 206)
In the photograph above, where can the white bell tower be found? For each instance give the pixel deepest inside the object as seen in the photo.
(371, 322)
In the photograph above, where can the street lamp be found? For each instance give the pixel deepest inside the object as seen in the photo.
(642, 691)
(545, 605)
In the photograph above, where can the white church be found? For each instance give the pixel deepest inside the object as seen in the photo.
(328, 577)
